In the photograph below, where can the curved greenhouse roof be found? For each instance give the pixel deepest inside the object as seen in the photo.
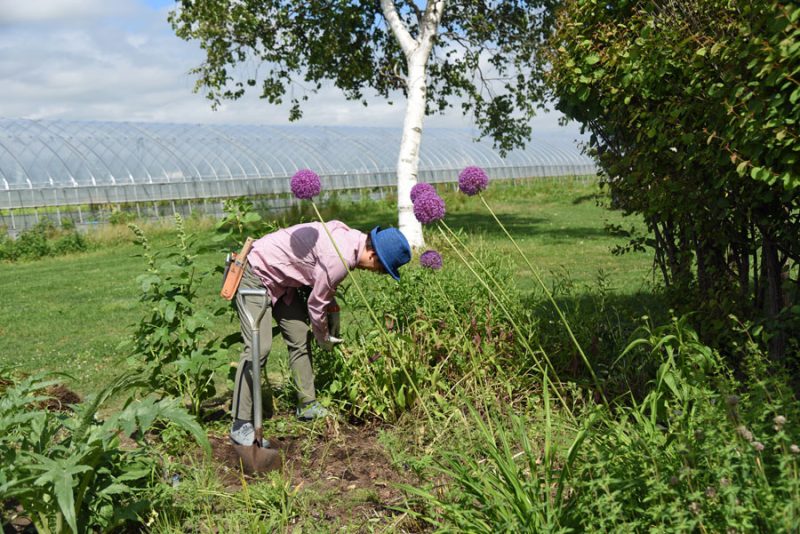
(58, 163)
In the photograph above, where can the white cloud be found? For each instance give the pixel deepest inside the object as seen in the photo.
(27, 11)
(120, 60)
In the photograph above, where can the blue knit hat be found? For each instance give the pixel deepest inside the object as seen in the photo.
(392, 249)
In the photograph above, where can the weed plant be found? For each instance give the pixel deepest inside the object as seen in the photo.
(69, 469)
(42, 240)
(445, 331)
(170, 346)
(692, 456)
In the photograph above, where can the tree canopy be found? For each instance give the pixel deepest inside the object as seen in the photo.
(484, 57)
(692, 107)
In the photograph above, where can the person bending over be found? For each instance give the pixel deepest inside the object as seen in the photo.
(284, 261)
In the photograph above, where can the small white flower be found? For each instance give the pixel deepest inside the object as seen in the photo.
(779, 421)
(746, 434)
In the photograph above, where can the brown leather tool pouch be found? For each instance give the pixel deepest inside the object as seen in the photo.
(234, 270)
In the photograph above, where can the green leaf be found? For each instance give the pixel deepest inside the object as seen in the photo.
(146, 281)
(169, 311)
(59, 474)
(141, 415)
(115, 489)
(741, 169)
(592, 59)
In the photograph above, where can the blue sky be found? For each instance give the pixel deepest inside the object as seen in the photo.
(119, 60)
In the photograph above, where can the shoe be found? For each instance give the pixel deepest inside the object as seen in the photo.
(244, 435)
(311, 411)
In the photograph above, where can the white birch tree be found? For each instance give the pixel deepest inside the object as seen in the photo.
(417, 52)
(478, 54)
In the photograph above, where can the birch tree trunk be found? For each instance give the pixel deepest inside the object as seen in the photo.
(417, 52)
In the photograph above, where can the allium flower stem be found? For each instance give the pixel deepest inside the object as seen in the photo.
(462, 330)
(381, 327)
(552, 301)
(483, 267)
(520, 333)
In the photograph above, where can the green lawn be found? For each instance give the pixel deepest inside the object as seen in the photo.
(69, 314)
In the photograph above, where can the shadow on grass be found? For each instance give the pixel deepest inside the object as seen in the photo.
(604, 325)
(520, 226)
(585, 198)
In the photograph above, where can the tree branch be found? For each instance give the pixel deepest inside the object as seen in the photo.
(429, 24)
(399, 28)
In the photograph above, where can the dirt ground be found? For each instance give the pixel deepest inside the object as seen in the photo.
(344, 463)
(349, 472)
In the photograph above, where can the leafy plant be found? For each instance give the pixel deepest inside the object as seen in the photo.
(42, 240)
(240, 222)
(693, 455)
(70, 472)
(170, 344)
(696, 102)
(699, 453)
(444, 330)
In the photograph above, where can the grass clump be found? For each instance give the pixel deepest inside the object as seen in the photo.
(701, 452)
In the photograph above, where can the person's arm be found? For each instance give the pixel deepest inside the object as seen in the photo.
(326, 278)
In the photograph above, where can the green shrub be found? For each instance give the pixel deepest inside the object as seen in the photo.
(169, 346)
(69, 471)
(692, 456)
(41, 240)
(440, 329)
(33, 243)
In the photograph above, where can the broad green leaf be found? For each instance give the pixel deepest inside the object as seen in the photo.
(59, 474)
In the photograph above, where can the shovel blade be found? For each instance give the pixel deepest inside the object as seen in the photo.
(256, 459)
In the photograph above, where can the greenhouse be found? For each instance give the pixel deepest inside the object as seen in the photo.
(47, 164)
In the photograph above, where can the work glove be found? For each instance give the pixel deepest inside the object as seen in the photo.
(330, 342)
(334, 321)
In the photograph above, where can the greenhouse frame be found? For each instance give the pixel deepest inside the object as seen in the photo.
(56, 163)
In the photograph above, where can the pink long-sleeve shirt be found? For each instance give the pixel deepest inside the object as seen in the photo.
(302, 255)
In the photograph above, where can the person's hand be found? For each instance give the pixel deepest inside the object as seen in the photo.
(330, 342)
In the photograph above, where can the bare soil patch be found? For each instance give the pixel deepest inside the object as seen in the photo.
(60, 398)
(345, 465)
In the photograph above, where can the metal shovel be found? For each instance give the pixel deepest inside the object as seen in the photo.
(256, 458)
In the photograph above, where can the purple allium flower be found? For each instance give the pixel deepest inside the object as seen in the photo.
(305, 184)
(431, 259)
(419, 189)
(472, 180)
(428, 208)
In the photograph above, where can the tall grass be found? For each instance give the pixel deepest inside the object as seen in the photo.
(701, 452)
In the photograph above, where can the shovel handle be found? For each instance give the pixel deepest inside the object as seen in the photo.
(255, 348)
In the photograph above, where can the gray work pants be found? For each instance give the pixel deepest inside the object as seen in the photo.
(293, 323)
